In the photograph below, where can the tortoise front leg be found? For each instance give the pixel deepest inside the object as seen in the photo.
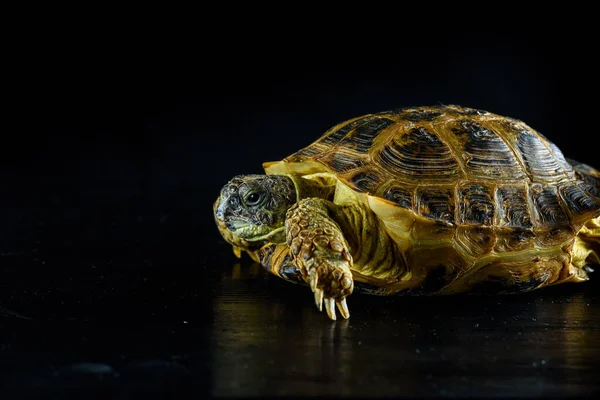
(320, 251)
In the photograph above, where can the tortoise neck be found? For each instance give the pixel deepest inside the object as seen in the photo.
(312, 187)
(374, 252)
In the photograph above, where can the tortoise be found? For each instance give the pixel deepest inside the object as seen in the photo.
(432, 200)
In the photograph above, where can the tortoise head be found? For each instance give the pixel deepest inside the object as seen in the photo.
(250, 210)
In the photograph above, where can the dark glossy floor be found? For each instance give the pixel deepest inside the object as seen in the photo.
(113, 299)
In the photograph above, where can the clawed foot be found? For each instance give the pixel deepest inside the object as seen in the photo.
(331, 284)
(319, 250)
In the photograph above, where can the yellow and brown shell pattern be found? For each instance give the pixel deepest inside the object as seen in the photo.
(499, 183)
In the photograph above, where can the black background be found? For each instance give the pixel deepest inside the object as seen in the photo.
(180, 113)
(117, 147)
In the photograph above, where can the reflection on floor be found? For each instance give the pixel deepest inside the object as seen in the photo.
(268, 339)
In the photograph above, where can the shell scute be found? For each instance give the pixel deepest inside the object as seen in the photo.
(336, 134)
(540, 162)
(342, 161)
(436, 203)
(549, 210)
(401, 194)
(418, 154)
(485, 153)
(577, 199)
(476, 204)
(367, 180)
(361, 138)
(475, 241)
(514, 211)
(514, 240)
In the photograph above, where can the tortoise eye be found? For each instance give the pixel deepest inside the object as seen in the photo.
(254, 198)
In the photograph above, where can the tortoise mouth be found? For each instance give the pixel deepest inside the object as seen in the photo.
(269, 236)
(253, 233)
(247, 230)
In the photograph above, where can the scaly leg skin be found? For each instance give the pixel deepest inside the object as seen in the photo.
(319, 250)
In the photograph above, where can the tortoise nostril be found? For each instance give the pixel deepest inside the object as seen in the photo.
(230, 226)
(219, 210)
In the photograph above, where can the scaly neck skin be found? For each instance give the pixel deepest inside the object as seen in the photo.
(374, 252)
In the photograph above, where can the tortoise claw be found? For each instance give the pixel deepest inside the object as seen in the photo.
(343, 307)
(319, 299)
(588, 268)
(330, 307)
(314, 280)
(331, 285)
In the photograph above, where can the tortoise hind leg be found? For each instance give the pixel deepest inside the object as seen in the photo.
(586, 249)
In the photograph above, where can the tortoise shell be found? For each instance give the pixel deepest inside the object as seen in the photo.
(455, 165)
(469, 182)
